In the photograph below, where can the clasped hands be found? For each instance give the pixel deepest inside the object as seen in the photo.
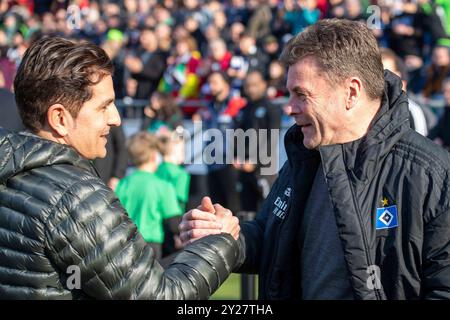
(207, 219)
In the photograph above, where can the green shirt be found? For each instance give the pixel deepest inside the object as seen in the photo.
(445, 4)
(149, 200)
(178, 177)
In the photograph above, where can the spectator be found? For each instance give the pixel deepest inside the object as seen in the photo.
(220, 22)
(437, 72)
(113, 46)
(181, 77)
(237, 29)
(7, 69)
(163, 34)
(237, 11)
(220, 114)
(147, 66)
(271, 47)
(171, 148)
(441, 133)
(421, 119)
(218, 59)
(258, 25)
(193, 27)
(248, 59)
(277, 80)
(337, 9)
(112, 167)
(258, 114)
(163, 114)
(406, 36)
(170, 170)
(301, 13)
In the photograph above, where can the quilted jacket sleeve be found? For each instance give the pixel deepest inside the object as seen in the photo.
(89, 228)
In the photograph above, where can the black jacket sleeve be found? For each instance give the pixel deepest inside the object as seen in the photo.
(436, 254)
(89, 228)
(252, 232)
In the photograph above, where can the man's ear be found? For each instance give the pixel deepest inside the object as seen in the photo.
(354, 86)
(59, 119)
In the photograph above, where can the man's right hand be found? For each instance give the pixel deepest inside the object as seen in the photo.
(207, 219)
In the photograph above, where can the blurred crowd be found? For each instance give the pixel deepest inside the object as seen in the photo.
(223, 56)
(172, 46)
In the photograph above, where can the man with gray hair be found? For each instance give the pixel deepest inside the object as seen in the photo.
(361, 207)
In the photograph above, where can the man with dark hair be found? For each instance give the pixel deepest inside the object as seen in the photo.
(361, 209)
(58, 219)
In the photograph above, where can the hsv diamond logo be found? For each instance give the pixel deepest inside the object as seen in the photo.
(387, 217)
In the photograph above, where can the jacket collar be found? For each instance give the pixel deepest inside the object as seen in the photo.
(25, 151)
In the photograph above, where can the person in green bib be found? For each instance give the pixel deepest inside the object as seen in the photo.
(170, 170)
(148, 199)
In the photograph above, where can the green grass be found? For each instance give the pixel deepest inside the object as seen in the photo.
(230, 289)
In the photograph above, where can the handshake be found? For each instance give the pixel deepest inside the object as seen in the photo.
(207, 219)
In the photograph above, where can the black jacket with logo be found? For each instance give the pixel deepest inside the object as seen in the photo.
(56, 214)
(391, 162)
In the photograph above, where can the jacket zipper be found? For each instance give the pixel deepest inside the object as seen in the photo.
(358, 214)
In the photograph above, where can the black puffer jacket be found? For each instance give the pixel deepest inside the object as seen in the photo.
(392, 162)
(56, 213)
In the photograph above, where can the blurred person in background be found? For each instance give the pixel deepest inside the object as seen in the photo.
(10, 118)
(300, 14)
(181, 78)
(237, 11)
(148, 199)
(7, 68)
(259, 23)
(441, 133)
(258, 114)
(112, 168)
(171, 148)
(162, 114)
(248, 58)
(421, 118)
(354, 10)
(271, 47)
(147, 65)
(237, 29)
(406, 33)
(163, 34)
(436, 72)
(114, 47)
(277, 80)
(220, 114)
(218, 58)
